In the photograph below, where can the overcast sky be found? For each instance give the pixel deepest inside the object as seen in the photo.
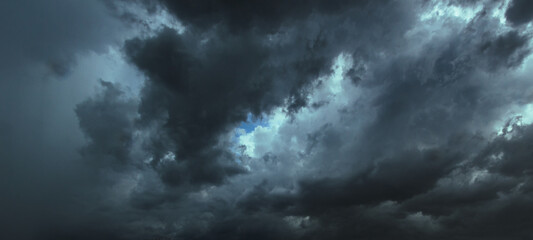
(252, 119)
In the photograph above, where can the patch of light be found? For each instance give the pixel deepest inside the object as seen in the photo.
(268, 125)
(297, 221)
(499, 12)
(443, 9)
(524, 106)
(423, 222)
(250, 124)
(167, 20)
(243, 135)
(202, 195)
(527, 114)
(169, 156)
(120, 71)
(495, 158)
(334, 85)
(278, 132)
(509, 126)
(152, 21)
(478, 175)
(148, 160)
(342, 63)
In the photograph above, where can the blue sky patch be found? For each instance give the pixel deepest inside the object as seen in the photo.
(252, 123)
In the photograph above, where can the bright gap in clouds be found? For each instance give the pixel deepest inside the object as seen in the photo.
(443, 9)
(252, 122)
(330, 93)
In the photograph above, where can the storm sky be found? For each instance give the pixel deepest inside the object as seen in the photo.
(252, 119)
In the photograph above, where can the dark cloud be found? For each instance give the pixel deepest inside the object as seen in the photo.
(507, 50)
(258, 15)
(519, 12)
(397, 179)
(201, 86)
(108, 123)
(510, 155)
(407, 175)
(401, 193)
(249, 227)
(370, 120)
(204, 82)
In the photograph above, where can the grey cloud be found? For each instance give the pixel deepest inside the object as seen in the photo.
(41, 170)
(507, 50)
(107, 121)
(203, 84)
(510, 156)
(52, 33)
(202, 90)
(408, 114)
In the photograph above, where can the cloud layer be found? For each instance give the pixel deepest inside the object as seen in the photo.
(288, 120)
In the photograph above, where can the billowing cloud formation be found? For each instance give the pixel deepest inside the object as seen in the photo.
(203, 86)
(305, 120)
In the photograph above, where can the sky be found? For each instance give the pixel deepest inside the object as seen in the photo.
(251, 119)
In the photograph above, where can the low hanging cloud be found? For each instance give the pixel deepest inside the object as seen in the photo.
(296, 120)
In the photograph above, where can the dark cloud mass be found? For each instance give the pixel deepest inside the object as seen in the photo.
(239, 15)
(108, 123)
(519, 12)
(343, 119)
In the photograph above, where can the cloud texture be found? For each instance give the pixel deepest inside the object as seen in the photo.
(284, 120)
